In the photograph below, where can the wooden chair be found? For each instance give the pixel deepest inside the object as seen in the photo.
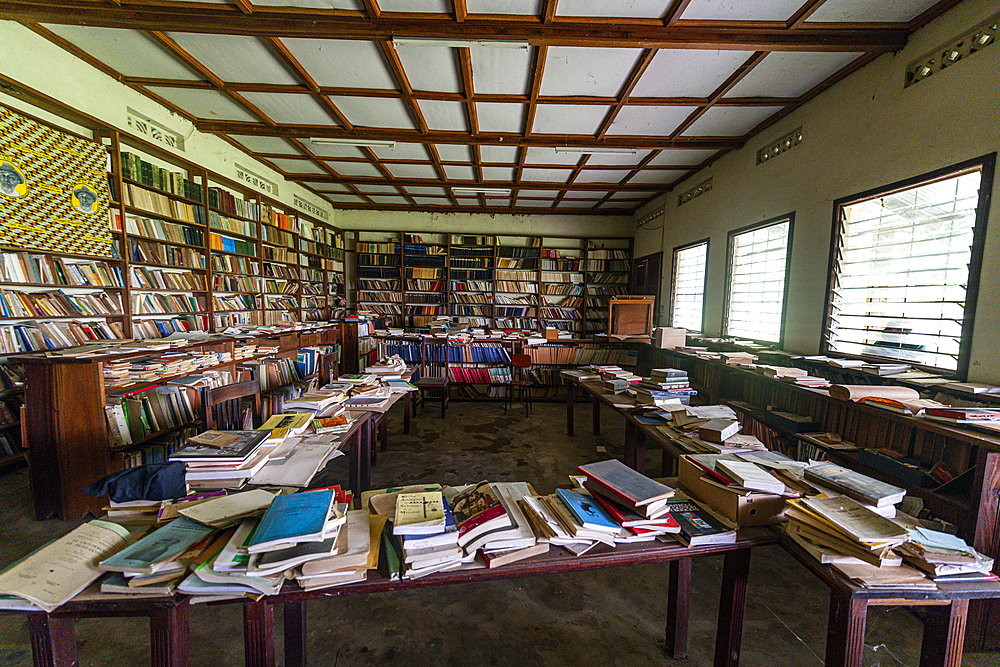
(433, 388)
(518, 383)
(329, 368)
(222, 407)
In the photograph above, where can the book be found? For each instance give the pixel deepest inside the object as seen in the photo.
(419, 513)
(238, 451)
(293, 518)
(587, 511)
(494, 559)
(718, 430)
(358, 543)
(698, 525)
(628, 518)
(154, 550)
(58, 571)
(626, 485)
(749, 475)
(477, 511)
(118, 584)
(217, 439)
(295, 423)
(855, 485)
(229, 510)
(852, 519)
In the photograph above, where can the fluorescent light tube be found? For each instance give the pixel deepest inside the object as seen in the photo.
(460, 43)
(595, 149)
(481, 191)
(332, 141)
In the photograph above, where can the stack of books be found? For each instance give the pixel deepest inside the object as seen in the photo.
(945, 557)
(841, 530)
(425, 529)
(356, 552)
(210, 466)
(665, 386)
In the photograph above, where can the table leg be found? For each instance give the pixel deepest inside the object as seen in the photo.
(732, 604)
(295, 634)
(354, 460)
(365, 477)
(640, 449)
(383, 426)
(677, 608)
(53, 640)
(845, 632)
(570, 396)
(597, 415)
(373, 432)
(170, 636)
(944, 635)
(258, 634)
(407, 409)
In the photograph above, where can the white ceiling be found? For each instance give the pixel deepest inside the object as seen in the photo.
(358, 82)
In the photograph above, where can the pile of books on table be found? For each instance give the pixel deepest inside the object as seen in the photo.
(665, 386)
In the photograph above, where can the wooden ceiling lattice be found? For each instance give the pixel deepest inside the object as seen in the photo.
(589, 113)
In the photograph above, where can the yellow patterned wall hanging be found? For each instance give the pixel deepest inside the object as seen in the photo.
(53, 190)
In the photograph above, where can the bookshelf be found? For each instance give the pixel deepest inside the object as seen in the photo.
(336, 283)
(504, 282)
(378, 275)
(425, 278)
(71, 448)
(607, 267)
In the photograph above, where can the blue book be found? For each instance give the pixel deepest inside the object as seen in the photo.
(293, 518)
(586, 510)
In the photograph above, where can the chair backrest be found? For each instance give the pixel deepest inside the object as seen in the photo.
(520, 361)
(329, 368)
(222, 407)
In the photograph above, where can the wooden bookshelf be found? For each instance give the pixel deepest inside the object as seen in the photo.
(504, 282)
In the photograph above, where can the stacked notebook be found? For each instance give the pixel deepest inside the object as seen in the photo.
(208, 466)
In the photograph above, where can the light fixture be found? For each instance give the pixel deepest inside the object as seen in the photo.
(332, 141)
(462, 43)
(463, 191)
(596, 149)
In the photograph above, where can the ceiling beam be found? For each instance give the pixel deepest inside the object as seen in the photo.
(804, 12)
(450, 137)
(461, 11)
(245, 6)
(726, 86)
(534, 210)
(674, 13)
(549, 11)
(464, 183)
(223, 19)
(633, 80)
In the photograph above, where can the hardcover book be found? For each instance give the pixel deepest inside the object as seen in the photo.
(631, 487)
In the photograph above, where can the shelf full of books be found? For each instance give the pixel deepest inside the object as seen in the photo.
(503, 282)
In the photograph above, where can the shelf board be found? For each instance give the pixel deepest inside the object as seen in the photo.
(226, 232)
(169, 291)
(33, 251)
(219, 251)
(4, 285)
(161, 216)
(45, 318)
(232, 215)
(165, 241)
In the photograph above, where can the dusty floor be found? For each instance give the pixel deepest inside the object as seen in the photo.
(605, 617)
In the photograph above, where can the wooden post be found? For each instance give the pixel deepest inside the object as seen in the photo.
(678, 602)
(53, 641)
(258, 634)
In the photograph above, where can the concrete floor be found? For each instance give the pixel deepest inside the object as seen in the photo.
(601, 618)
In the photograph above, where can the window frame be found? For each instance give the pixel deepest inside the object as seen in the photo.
(790, 217)
(707, 241)
(985, 164)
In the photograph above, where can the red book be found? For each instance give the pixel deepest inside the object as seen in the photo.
(631, 520)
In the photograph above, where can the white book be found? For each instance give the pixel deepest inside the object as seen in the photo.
(750, 476)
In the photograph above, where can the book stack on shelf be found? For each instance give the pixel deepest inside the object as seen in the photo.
(425, 266)
(336, 286)
(312, 264)
(141, 172)
(515, 291)
(471, 266)
(607, 268)
(379, 269)
(562, 284)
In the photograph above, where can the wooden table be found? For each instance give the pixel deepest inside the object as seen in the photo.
(258, 617)
(53, 636)
(944, 610)
(598, 396)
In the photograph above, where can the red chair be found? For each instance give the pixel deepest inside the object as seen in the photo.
(519, 383)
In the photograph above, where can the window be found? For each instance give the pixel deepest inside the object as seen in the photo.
(906, 268)
(687, 287)
(758, 271)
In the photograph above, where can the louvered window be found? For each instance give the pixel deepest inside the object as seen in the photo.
(900, 288)
(758, 263)
(687, 295)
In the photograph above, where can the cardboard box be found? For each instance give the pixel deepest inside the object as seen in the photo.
(747, 508)
(551, 333)
(667, 338)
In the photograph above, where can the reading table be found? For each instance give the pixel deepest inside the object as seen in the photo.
(944, 612)
(258, 616)
(598, 396)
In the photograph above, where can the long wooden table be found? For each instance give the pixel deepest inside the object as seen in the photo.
(944, 613)
(259, 616)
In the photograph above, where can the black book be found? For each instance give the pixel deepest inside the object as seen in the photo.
(237, 451)
(698, 525)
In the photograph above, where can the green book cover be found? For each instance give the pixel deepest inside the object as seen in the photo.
(393, 557)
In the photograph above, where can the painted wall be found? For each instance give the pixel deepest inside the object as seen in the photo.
(867, 131)
(45, 67)
(485, 223)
